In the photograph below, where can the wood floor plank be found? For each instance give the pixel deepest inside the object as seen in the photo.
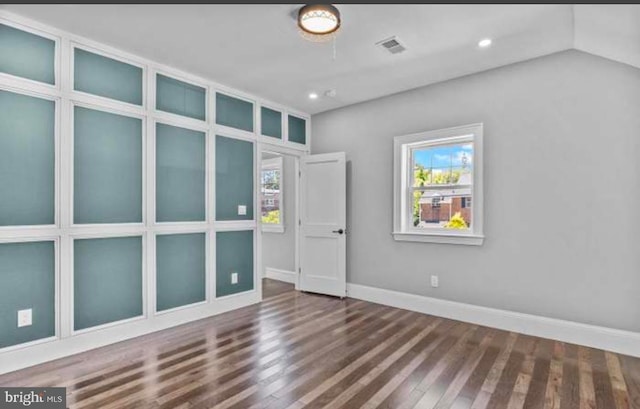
(620, 392)
(585, 374)
(601, 380)
(306, 351)
(570, 379)
(493, 377)
(470, 391)
(536, 392)
(553, 395)
(631, 373)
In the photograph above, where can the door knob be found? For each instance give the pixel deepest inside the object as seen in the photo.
(341, 231)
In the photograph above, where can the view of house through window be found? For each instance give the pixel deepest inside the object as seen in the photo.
(271, 194)
(442, 185)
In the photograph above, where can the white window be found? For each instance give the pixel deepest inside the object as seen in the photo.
(271, 208)
(438, 186)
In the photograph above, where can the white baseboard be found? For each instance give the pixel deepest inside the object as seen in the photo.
(280, 275)
(620, 341)
(30, 354)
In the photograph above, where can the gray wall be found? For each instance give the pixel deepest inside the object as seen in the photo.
(278, 249)
(562, 189)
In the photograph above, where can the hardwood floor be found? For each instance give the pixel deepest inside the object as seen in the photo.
(298, 350)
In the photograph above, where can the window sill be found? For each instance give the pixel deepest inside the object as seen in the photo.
(273, 228)
(466, 239)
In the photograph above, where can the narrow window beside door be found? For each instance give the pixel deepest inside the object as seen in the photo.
(271, 199)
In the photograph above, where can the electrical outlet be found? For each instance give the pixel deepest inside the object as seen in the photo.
(242, 210)
(234, 278)
(25, 318)
(434, 281)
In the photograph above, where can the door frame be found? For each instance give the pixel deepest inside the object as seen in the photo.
(296, 154)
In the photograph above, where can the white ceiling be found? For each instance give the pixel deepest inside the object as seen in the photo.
(257, 48)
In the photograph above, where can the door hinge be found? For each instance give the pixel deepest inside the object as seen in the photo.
(299, 270)
(299, 173)
(299, 222)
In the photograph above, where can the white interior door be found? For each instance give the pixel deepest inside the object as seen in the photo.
(323, 214)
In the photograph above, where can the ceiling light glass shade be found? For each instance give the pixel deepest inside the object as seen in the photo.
(319, 19)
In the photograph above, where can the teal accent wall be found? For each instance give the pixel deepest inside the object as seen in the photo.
(234, 112)
(234, 178)
(106, 77)
(271, 122)
(234, 253)
(27, 160)
(180, 97)
(27, 280)
(180, 174)
(27, 55)
(181, 270)
(107, 167)
(297, 130)
(107, 280)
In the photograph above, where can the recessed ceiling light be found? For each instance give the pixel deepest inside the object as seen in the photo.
(484, 43)
(313, 95)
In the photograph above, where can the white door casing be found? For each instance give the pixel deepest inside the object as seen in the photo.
(323, 196)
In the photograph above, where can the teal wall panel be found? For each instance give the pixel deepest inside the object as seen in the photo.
(234, 178)
(107, 280)
(27, 280)
(27, 55)
(180, 174)
(27, 160)
(297, 130)
(107, 167)
(180, 270)
(271, 122)
(234, 253)
(234, 112)
(180, 97)
(106, 77)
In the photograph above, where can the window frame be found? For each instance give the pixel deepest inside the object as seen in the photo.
(273, 164)
(403, 146)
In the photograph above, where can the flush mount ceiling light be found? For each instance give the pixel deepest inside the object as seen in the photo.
(313, 95)
(319, 19)
(319, 23)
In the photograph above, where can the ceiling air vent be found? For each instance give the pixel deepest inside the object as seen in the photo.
(392, 44)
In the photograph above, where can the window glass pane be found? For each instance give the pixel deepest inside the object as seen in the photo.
(106, 77)
(27, 157)
(27, 55)
(297, 130)
(107, 167)
(27, 281)
(234, 254)
(234, 112)
(442, 186)
(180, 271)
(107, 280)
(271, 196)
(180, 98)
(271, 122)
(180, 174)
(234, 179)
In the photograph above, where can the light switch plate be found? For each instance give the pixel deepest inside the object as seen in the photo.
(25, 318)
(242, 210)
(234, 278)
